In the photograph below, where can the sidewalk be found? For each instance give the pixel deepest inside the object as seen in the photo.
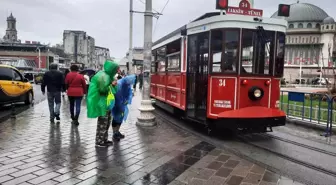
(33, 151)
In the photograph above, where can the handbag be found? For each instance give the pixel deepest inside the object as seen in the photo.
(110, 99)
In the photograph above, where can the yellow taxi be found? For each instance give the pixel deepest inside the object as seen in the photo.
(14, 88)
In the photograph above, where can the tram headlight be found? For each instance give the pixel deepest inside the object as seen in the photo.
(257, 93)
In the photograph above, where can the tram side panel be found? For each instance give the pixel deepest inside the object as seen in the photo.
(173, 89)
(153, 88)
(161, 87)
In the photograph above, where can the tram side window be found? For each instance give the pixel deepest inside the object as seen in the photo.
(154, 62)
(225, 44)
(161, 59)
(257, 52)
(280, 54)
(173, 55)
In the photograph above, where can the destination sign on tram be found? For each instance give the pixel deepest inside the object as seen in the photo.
(243, 9)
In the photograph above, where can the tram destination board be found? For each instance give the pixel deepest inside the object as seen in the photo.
(243, 9)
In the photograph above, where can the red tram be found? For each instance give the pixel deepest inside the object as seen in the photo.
(222, 70)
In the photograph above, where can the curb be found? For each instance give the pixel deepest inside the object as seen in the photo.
(307, 124)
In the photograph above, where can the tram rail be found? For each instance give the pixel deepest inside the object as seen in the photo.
(318, 169)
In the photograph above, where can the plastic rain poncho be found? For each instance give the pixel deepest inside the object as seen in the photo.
(99, 88)
(123, 97)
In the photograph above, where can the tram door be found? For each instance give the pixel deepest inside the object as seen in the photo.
(197, 75)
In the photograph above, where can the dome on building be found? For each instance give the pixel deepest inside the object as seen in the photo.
(304, 12)
(328, 20)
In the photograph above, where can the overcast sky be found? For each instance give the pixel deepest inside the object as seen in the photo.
(108, 20)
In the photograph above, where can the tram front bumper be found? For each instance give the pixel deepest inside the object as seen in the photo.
(255, 116)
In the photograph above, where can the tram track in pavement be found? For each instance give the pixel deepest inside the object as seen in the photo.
(319, 168)
(286, 165)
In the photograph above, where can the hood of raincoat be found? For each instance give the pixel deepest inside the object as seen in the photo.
(99, 90)
(111, 68)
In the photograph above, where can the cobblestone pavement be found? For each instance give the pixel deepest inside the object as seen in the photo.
(33, 151)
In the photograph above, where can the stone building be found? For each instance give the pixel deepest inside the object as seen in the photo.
(80, 47)
(101, 55)
(310, 40)
(11, 32)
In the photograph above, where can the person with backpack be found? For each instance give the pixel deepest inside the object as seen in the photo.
(76, 88)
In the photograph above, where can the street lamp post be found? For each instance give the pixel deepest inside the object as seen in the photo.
(147, 117)
(39, 58)
(130, 51)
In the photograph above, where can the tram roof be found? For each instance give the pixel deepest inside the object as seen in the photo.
(200, 20)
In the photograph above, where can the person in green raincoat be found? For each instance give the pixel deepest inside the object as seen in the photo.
(100, 100)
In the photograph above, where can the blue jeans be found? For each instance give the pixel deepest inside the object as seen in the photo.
(75, 101)
(54, 98)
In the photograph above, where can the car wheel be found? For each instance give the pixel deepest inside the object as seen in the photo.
(29, 98)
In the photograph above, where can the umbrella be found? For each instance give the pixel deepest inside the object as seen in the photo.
(89, 71)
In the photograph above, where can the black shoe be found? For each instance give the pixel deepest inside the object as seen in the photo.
(104, 145)
(121, 136)
(109, 143)
(116, 137)
(57, 117)
(75, 122)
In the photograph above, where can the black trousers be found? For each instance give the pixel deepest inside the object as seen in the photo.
(115, 123)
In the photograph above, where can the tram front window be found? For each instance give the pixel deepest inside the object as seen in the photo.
(224, 50)
(257, 51)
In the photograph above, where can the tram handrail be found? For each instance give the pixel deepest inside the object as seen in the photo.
(317, 108)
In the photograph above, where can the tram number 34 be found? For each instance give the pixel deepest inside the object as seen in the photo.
(222, 82)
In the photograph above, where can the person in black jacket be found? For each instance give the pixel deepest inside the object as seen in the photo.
(54, 81)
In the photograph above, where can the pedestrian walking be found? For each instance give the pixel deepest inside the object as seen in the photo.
(66, 71)
(140, 80)
(123, 98)
(87, 81)
(54, 81)
(100, 100)
(76, 88)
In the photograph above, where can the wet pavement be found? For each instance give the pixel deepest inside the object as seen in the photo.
(33, 151)
(6, 111)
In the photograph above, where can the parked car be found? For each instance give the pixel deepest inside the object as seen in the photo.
(14, 88)
(38, 78)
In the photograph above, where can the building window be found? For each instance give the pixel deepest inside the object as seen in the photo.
(291, 26)
(307, 40)
(313, 39)
(327, 27)
(302, 40)
(309, 25)
(332, 27)
(292, 40)
(296, 40)
(300, 25)
(318, 26)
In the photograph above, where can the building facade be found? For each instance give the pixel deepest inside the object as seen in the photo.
(310, 42)
(79, 46)
(101, 55)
